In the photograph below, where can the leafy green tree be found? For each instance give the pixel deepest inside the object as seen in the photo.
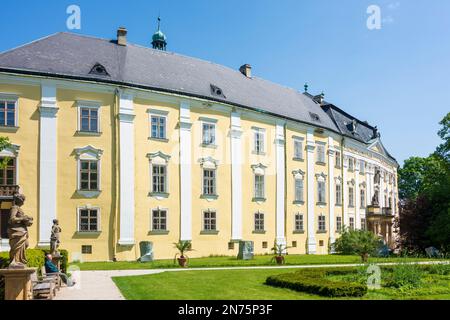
(360, 242)
(444, 149)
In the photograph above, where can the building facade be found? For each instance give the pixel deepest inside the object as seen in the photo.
(124, 144)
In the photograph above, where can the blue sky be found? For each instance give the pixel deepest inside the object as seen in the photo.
(396, 78)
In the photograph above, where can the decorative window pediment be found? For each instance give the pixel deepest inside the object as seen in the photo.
(338, 180)
(159, 158)
(362, 185)
(209, 163)
(298, 174)
(351, 182)
(259, 169)
(88, 153)
(322, 177)
(11, 152)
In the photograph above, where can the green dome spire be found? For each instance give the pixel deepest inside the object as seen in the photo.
(159, 38)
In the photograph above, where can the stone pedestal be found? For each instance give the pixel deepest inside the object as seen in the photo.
(17, 283)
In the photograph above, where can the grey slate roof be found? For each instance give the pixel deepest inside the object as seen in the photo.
(72, 55)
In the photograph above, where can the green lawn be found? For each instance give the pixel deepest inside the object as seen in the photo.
(249, 285)
(233, 262)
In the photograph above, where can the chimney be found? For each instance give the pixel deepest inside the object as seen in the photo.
(246, 70)
(122, 36)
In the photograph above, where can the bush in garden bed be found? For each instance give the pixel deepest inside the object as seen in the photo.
(314, 281)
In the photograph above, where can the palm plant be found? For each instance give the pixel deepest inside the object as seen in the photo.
(279, 250)
(182, 246)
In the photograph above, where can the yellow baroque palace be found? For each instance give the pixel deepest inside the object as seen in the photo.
(123, 144)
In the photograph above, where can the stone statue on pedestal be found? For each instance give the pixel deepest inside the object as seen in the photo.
(18, 233)
(54, 238)
(375, 200)
(377, 177)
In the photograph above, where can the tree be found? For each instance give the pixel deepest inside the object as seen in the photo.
(360, 242)
(444, 149)
(4, 144)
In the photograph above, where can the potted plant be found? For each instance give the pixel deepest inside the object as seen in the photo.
(279, 251)
(182, 247)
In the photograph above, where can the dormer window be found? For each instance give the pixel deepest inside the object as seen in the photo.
(314, 117)
(99, 70)
(216, 91)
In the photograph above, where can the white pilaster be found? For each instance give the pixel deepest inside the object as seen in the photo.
(47, 162)
(310, 148)
(236, 176)
(357, 198)
(185, 172)
(281, 183)
(331, 191)
(345, 191)
(126, 156)
(368, 187)
(382, 193)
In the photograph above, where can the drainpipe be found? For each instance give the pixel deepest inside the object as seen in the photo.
(115, 163)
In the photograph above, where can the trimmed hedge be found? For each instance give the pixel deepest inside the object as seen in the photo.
(314, 281)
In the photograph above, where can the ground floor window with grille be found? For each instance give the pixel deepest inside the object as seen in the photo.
(322, 224)
(159, 220)
(259, 221)
(299, 222)
(88, 220)
(338, 224)
(209, 220)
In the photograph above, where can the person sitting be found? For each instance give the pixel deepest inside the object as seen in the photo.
(51, 268)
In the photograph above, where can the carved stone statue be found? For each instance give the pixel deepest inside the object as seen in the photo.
(54, 238)
(375, 200)
(18, 233)
(377, 177)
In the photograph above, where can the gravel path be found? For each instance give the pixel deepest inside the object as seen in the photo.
(98, 285)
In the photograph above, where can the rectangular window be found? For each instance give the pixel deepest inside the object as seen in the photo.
(338, 194)
(362, 166)
(159, 220)
(321, 192)
(338, 224)
(320, 154)
(86, 249)
(88, 119)
(322, 224)
(259, 186)
(159, 178)
(363, 224)
(209, 134)
(350, 164)
(88, 175)
(88, 220)
(298, 149)
(8, 173)
(259, 221)
(351, 197)
(299, 190)
(352, 223)
(362, 193)
(209, 221)
(7, 113)
(338, 160)
(158, 127)
(259, 141)
(209, 182)
(299, 222)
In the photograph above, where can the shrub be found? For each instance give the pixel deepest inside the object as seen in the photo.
(439, 269)
(314, 281)
(360, 242)
(405, 276)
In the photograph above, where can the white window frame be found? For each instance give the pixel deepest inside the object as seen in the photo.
(160, 159)
(216, 220)
(338, 182)
(99, 220)
(351, 223)
(89, 153)
(298, 214)
(321, 178)
(213, 124)
(94, 105)
(261, 133)
(338, 164)
(209, 164)
(12, 152)
(160, 114)
(298, 141)
(319, 230)
(259, 170)
(320, 152)
(11, 97)
(299, 175)
(263, 221)
(338, 224)
(167, 220)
